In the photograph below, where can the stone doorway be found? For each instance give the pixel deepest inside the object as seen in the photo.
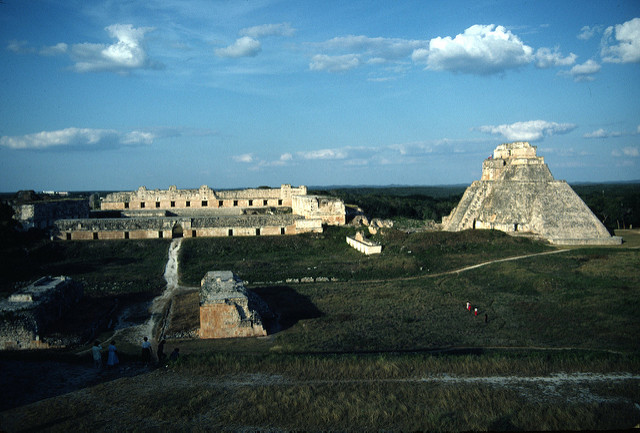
(176, 232)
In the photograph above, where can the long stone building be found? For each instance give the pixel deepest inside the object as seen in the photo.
(518, 194)
(203, 212)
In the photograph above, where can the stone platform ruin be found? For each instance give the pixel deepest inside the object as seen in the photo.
(228, 309)
(26, 314)
(517, 194)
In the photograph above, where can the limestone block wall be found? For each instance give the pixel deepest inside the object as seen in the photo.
(329, 209)
(227, 308)
(228, 320)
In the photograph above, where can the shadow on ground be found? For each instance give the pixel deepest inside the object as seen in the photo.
(288, 306)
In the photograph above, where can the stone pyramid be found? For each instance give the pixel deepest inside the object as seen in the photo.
(517, 194)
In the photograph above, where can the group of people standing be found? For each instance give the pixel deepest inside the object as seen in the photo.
(112, 353)
(112, 357)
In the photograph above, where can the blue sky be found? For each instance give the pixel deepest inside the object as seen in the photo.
(117, 94)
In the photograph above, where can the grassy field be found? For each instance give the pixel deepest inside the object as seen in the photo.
(272, 259)
(390, 346)
(110, 267)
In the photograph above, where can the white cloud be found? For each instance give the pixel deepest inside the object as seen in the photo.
(629, 151)
(323, 62)
(19, 47)
(242, 47)
(286, 157)
(626, 47)
(545, 58)
(348, 52)
(246, 157)
(282, 29)
(532, 130)
(324, 154)
(80, 138)
(479, 50)
(60, 48)
(137, 137)
(126, 54)
(380, 49)
(585, 71)
(600, 133)
(588, 32)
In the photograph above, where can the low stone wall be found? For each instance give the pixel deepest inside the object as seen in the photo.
(363, 245)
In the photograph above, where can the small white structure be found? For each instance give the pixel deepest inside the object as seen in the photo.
(363, 245)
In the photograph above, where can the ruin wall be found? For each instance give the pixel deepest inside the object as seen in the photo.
(228, 309)
(330, 210)
(43, 214)
(171, 227)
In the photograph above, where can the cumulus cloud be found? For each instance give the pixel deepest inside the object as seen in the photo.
(79, 138)
(545, 58)
(621, 43)
(587, 32)
(60, 48)
(584, 71)
(323, 62)
(126, 54)
(246, 158)
(599, 133)
(282, 29)
(480, 49)
(533, 130)
(243, 47)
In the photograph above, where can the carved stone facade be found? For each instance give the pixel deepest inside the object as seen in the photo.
(202, 198)
(518, 194)
(26, 314)
(203, 212)
(228, 309)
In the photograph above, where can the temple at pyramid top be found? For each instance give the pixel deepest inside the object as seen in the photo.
(518, 194)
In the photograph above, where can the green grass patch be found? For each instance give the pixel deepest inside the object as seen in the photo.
(272, 259)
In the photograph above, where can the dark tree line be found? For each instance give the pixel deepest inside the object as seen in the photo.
(421, 203)
(616, 205)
